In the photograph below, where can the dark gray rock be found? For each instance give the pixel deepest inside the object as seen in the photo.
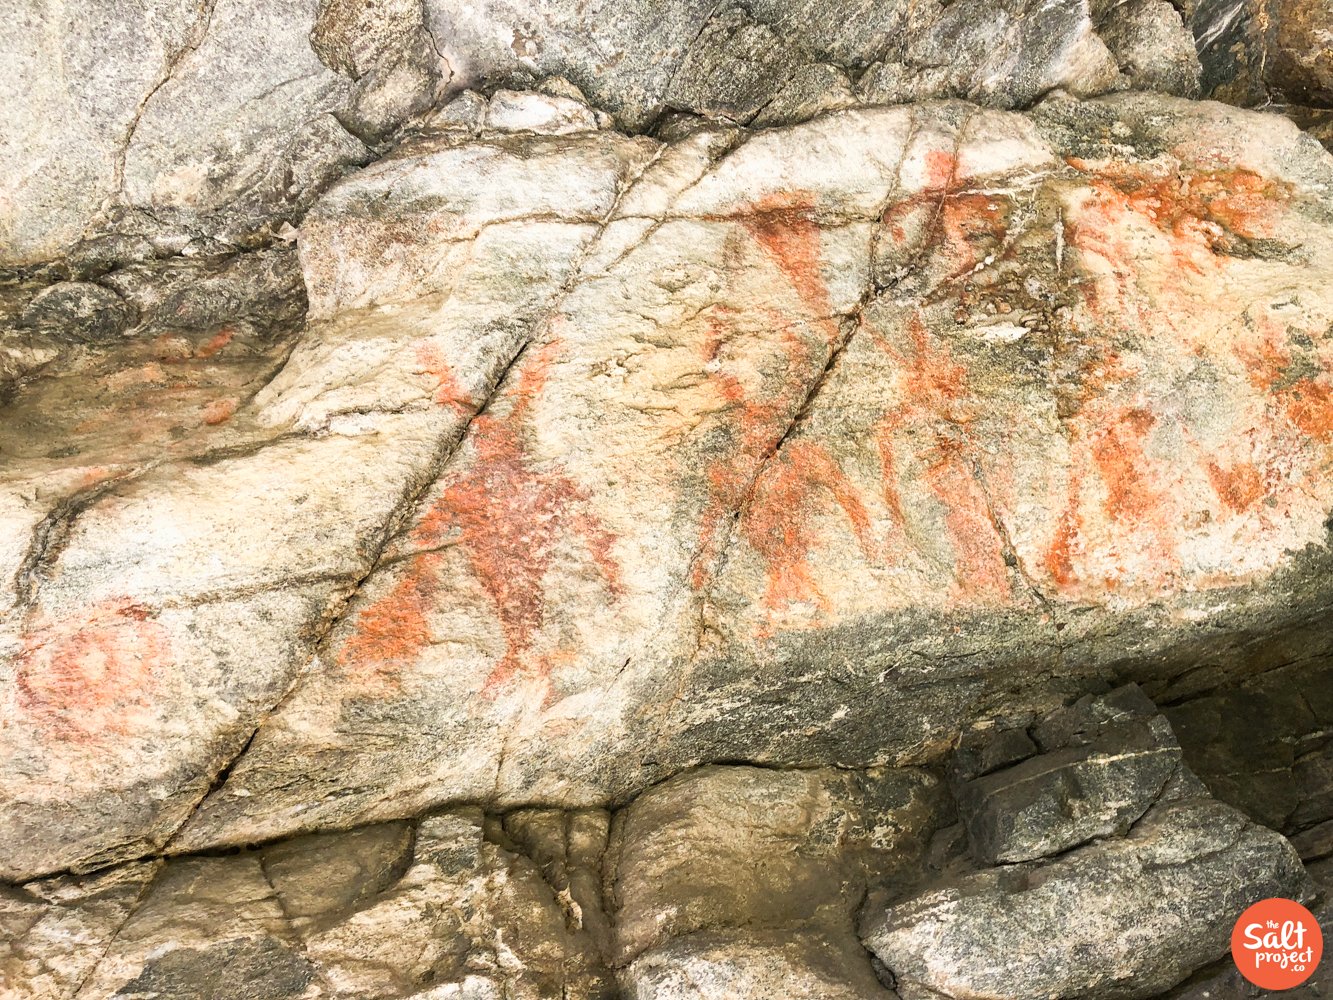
(1152, 45)
(1232, 38)
(1106, 760)
(78, 312)
(1263, 744)
(733, 69)
(1223, 980)
(981, 751)
(1316, 843)
(622, 53)
(263, 288)
(1123, 919)
(245, 969)
(1011, 53)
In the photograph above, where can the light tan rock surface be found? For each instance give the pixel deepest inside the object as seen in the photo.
(602, 456)
(148, 127)
(671, 501)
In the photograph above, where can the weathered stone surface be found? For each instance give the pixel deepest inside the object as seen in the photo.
(740, 847)
(1105, 761)
(335, 872)
(948, 411)
(508, 501)
(78, 310)
(177, 120)
(744, 882)
(264, 123)
(1265, 745)
(388, 51)
(1303, 51)
(754, 967)
(74, 81)
(187, 122)
(1224, 981)
(432, 910)
(465, 909)
(1152, 45)
(777, 60)
(1123, 918)
(1233, 38)
(53, 933)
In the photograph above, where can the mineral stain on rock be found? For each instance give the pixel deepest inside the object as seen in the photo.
(937, 406)
(757, 420)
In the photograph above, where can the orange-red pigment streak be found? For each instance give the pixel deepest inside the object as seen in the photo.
(508, 517)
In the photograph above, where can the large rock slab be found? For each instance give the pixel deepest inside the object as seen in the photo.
(1265, 744)
(605, 456)
(778, 61)
(911, 381)
(175, 121)
(164, 124)
(1105, 761)
(73, 85)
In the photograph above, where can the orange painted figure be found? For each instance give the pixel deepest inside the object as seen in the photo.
(508, 516)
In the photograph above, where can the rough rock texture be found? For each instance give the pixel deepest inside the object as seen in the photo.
(1104, 921)
(592, 499)
(1223, 981)
(1303, 51)
(216, 122)
(1265, 745)
(432, 910)
(949, 412)
(721, 883)
(1104, 763)
(1130, 915)
(744, 883)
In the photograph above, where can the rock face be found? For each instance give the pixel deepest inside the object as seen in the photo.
(661, 500)
(387, 911)
(942, 403)
(744, 883)
(212, 123)
(727, 882)
(1127, 916)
